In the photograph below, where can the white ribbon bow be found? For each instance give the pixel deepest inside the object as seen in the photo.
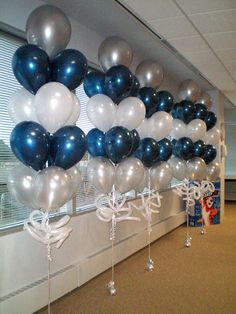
(189, 192)
(45, 232)
(205, 187)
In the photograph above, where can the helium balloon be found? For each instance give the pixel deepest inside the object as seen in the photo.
(178, 129)
(196, 129)
(200, 111)
(142, 129)
(165, 149)
(213, 136)
(31, 67)
(69, 67)
(114, 51)
(143, 183)
(165, 101)
(213, 171)
(130, 113)
(21, 185)
(206, 100)
(118, 81)
(149, 73)
(68, 146)
(76, 179)
(196, 169)
(96, 143)
(160, 125)
(118, 143)
(199, 149)
(161, 175)
(210, 120)
(183, 148)
(49, 28)
(21, 106)
(210, 154)
(135, 141)
(135, 87)
(30, 144)
(179, 168)
(75, 111)
(53, 188)
(128, 174)
(176, 111)
(101, 174)
(189, 90)
(150, 99)
(148, 151)
(53, 106)
(186, 111)
(94, 83)
(101, 112)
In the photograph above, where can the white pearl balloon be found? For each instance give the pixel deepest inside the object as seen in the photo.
(160, 125)
(178, 129)
(53, 106)
(143, 128)
(189, 90)
(130, 113)
(179, 167)
(101, 112)
(196, 130)
(21, 106)
(206, 100)
(75, 112)
(213, 136)
(161, 175)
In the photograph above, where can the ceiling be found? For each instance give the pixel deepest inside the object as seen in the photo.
(203, 31)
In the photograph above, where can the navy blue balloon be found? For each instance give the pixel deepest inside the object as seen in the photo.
(96, 143)
(31, 67)
(175, 112)
(148, 151)
(68, 146)
(118, 143)
(199, 149)
(149, 97)
(30, 144)
(135, 141)
(210, 120)
(165, 101)
(94, 83)
(69, 67)
(183, 148)
(165, 149)
(118, 81)
(186, 111)
(135, 87)
(200, 111)
(210, 154)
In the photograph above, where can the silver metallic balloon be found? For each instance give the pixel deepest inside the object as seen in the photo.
(143, 183)
(150, 74)
(114, 51)
(161, 175)
(101, 174)
(76, 178)
(196, 130)
(206, 100)
(49, 28)
(189, 90)
(53, 188)
(129, 173)
(212, 136)
(21, 185)
(179, 168)
(213, 171)
(196, 169)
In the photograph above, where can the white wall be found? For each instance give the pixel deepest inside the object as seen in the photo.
(230, 139)
(23, 260)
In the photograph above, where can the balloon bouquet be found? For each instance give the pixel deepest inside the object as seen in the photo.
(194, 154)
(45, 139)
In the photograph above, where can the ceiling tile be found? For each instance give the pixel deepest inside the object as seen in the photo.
(198, 6)
(173, 27)
(189, 44)
(220, 41)
(153, 9)
(214, 22)
(226, 55)
(203, 58)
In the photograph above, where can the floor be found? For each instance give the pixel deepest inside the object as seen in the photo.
(200, 279)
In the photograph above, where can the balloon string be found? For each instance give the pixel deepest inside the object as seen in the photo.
(187, 210)
(113, 222)
(149, 245)
(49, 279)
(149, 213)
